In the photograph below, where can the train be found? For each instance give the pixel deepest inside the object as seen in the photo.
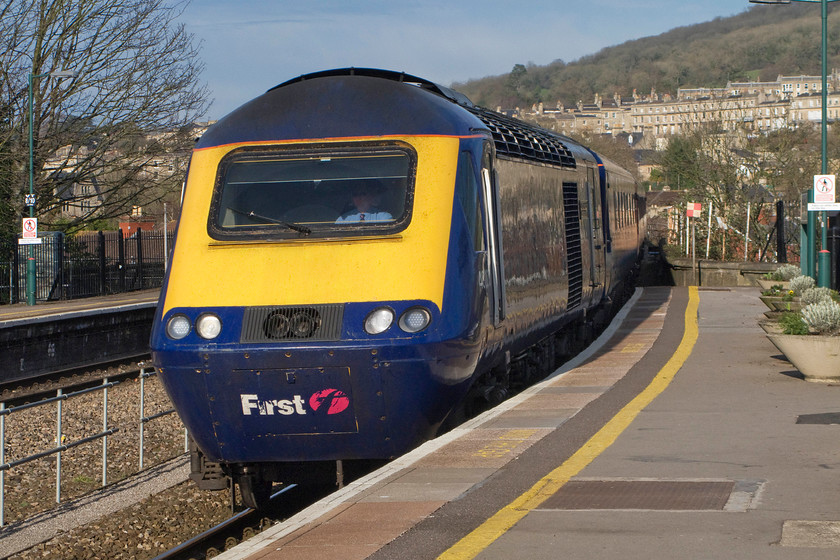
(364, 257)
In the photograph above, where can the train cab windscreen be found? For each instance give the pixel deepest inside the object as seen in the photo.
(330, 192)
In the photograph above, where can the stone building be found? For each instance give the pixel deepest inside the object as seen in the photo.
(755, 106)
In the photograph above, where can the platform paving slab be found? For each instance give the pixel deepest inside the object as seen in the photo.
(730, 414)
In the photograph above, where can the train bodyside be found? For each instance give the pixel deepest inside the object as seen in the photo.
(287, 335)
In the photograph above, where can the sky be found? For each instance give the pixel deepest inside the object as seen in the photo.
(250, 46)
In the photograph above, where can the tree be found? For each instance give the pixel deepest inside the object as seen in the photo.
(138, 79)
(711, 166)
(611, 147)
(788, 160)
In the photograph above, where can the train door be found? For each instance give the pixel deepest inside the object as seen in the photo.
(493, 238)
(595, 232)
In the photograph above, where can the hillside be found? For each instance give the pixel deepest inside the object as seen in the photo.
(758, 44)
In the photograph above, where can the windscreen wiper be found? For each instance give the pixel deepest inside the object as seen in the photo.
(253, 215)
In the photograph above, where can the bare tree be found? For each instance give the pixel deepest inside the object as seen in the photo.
(711, 165)
(115, 137)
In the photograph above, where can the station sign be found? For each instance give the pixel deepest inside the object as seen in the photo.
(823, 206)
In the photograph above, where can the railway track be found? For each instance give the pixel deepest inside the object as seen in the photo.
(17, 392)
(241, 526)
(182, 520)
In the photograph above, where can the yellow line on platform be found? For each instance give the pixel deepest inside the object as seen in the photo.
(474, 543)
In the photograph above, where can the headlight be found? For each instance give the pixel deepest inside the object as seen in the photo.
(303, 324)
(178, 327)
(208, 326)
(379, 320)
(415, 320)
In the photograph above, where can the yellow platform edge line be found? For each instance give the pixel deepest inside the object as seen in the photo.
(483, 536)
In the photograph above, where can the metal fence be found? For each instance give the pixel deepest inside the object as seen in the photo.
(62, 445)
(84, 265)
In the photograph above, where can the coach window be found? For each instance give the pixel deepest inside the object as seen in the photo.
(329, 191)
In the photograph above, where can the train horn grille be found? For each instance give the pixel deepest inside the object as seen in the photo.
(313, 323)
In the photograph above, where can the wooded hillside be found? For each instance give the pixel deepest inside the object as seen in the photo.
(759, 44)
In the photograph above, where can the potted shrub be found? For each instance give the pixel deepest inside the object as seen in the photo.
(785, 323)
(779, 277)
(791, 300)
(815, 352)
(776, 295)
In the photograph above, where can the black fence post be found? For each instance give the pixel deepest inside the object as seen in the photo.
(101, 237)
(833, 239)
(60, 252)
(140, 272)
(121, 256)
(781, 241)
(14, 292)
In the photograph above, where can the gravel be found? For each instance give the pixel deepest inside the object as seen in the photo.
(133, 516)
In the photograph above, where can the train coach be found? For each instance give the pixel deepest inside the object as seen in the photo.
(363, 256)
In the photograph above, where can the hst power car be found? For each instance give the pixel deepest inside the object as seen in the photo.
(362, 256)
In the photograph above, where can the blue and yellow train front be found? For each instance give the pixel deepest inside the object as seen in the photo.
(291, 329)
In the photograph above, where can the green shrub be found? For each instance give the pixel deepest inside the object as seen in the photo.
(822, 317)
(775, 290)
(792, 323)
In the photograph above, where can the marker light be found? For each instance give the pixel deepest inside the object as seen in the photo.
(379, 320)
(208, 326)
(415, 320)
(178, 327)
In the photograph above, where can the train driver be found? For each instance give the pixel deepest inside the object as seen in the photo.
(365, 198)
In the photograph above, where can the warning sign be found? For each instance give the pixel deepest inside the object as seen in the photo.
(824, 188)
(30, 228)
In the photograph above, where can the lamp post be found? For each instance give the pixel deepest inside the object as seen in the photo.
(824, 278)
(30, 263)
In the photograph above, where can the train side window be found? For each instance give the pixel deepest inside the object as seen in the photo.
(469, 196)
(496, 264)
(324, 191)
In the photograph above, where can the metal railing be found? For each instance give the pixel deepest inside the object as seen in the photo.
(84, 265)
(61, 445)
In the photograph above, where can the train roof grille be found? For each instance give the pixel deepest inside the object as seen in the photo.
(512, 137)
(518, 139)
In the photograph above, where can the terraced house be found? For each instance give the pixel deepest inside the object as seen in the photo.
(757, 106)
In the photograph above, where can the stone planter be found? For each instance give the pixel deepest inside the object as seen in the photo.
(767, 284)
(794, 306)
(770, 326)
(769, 301)
(773, 315)
(817, 357)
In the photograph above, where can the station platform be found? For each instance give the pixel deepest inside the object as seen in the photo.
(52, 310)
(59, 336)
(680, 433)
